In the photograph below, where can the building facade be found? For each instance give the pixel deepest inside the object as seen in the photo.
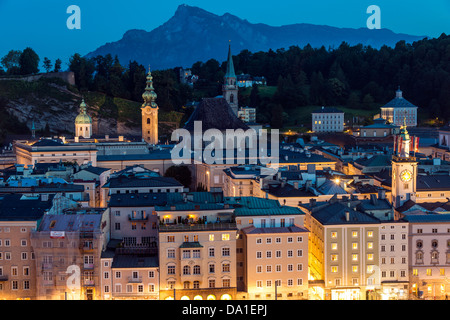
(399, 110)
(327, 120)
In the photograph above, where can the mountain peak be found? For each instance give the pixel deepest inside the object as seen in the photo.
(194, 34)
(186, 10)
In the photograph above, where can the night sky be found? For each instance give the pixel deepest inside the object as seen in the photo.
(42, 24)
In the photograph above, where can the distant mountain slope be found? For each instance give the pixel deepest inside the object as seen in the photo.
(194, 34)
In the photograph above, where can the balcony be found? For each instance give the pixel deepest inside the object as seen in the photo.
(88, 282)
(4, 277)
(180, 227)
(138, 217)
(88, 266)
(134, 279)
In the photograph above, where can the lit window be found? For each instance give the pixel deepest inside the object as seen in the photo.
(225, 236)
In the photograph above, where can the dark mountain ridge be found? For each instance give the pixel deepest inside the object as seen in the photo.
(194, 34)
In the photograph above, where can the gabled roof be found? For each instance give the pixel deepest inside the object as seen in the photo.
(433, 182)
(399, 102)
(329, 187)
(134, 261)
(291, 229)
(16, 207)
(215, 113)
(71, 222)
(151, 182)
(252, 206)
(138, 199)
(327, 110)
(288, 191)
(335, 214)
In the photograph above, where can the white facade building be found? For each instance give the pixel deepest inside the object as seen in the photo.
(399, 111)
(327, 119)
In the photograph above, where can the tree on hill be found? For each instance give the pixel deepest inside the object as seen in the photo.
(58, 63)
(11, 62)
(28, 62)
(47, 64)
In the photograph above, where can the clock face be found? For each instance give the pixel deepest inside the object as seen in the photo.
(148, 110)
(406, 175)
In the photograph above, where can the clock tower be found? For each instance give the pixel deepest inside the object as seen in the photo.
(404, 168)
(149, 113)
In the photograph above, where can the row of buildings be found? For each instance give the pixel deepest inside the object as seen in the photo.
(95, 218)
(394, 114)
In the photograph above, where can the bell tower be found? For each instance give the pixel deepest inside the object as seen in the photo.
(404, 168)
(149, 113)
(230, 88)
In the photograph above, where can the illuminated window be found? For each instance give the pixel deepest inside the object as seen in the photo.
(334, 257)
(354, 234)
(225, 236)
(355, 245)
(429, 272)
(355, 257)
(369, 245)
(370, 234)
(334, 235)
(211, 237)
(355, 269)
(415, 272)
(369, 269)
(370, 256)
(334, 269)
(334, 246)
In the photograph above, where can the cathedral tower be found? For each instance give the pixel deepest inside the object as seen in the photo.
(404, 168)
(149, 113)
(230, 88)
(83, 123)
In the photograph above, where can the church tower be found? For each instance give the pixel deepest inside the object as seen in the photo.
(404, 168)
(149, 113)
(230, 88)
(83, 123)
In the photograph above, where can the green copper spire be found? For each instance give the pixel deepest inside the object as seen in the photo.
(230, 66)
(149, 94)
(83, 117)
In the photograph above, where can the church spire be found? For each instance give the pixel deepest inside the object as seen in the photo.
(149, 112)
(230, 88)
(149, 94)
(230, 66)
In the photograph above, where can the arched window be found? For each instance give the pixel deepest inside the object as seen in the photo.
(196, 269)
(148, 120)
(186, 270)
